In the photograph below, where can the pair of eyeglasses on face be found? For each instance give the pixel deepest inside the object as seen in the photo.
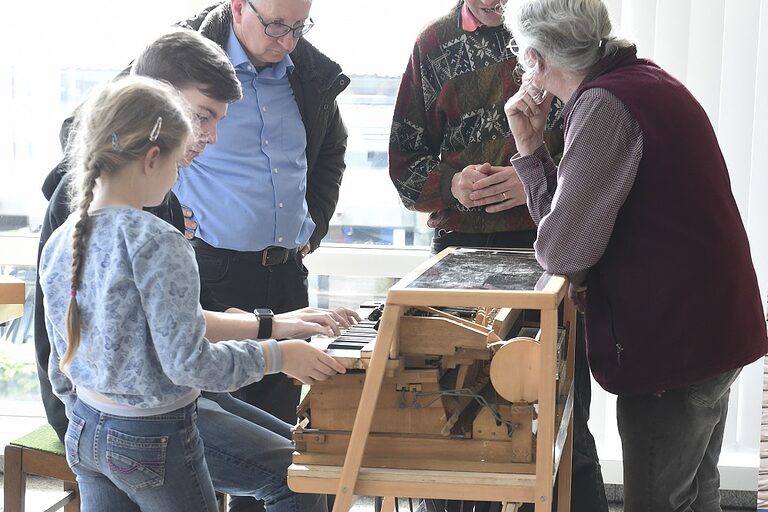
(275, 29)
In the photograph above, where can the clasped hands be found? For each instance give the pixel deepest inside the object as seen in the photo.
(497, 187)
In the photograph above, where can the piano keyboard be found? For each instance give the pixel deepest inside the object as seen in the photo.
(355, 337)
(353, 347)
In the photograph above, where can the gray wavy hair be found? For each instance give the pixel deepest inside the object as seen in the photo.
(571, 34)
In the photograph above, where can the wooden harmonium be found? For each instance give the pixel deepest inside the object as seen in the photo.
(461, 393)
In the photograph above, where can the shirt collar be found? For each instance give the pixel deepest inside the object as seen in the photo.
(239, 58)
(234, 49)
(283, 68)
(468, 21)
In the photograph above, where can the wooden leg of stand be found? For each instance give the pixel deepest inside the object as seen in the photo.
(388, 505)
(510, 507)
(547, 433)
(565, 470)
(374, 376)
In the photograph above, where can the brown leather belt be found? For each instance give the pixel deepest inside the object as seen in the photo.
(276, 255)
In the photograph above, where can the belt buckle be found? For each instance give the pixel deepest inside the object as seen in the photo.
(269, 256)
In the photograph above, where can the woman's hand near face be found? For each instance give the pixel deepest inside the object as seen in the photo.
(527, 118)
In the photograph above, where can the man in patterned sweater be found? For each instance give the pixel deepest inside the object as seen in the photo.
(449, 155)
(449, 132)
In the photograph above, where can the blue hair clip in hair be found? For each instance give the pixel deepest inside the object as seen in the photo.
(115, 144)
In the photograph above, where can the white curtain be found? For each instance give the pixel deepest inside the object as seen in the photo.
(719, 49)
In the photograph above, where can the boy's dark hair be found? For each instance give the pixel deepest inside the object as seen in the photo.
(185, 58)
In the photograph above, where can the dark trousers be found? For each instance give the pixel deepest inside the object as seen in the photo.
(671, 444)
(241, 280)
(587, 489)
(502, 239)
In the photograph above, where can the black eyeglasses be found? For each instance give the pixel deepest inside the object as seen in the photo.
(275, 29)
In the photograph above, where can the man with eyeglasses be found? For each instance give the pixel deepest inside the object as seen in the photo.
(449, 155)
(263, 195)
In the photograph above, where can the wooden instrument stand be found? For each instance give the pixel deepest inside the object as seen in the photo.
(427, 287)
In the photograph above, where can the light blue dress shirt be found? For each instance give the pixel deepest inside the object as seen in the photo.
(248, 190)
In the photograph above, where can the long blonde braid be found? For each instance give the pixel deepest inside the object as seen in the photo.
(89, 175)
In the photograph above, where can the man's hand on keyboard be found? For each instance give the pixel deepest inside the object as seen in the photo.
(309, 321)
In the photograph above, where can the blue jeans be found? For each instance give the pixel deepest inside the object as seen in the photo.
(248, 453)
(146, 463)
(671, 445)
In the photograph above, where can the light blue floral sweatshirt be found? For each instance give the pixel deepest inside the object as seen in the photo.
(142, 339)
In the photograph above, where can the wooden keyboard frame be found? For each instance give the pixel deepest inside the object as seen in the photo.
(554, 438)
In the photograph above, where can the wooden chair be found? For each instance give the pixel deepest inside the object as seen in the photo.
(38, 453)
(41, 453)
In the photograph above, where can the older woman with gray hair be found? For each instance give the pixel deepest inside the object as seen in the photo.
(640, 216)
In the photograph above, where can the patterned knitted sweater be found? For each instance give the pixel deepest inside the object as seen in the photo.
(449, 114)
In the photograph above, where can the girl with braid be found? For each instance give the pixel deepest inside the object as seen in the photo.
(128, 352)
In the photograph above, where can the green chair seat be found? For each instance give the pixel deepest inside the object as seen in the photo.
(43, 439)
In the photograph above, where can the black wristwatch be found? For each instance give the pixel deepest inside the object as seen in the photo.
(265, 317)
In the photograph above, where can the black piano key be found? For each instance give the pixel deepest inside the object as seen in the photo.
(345, 346)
